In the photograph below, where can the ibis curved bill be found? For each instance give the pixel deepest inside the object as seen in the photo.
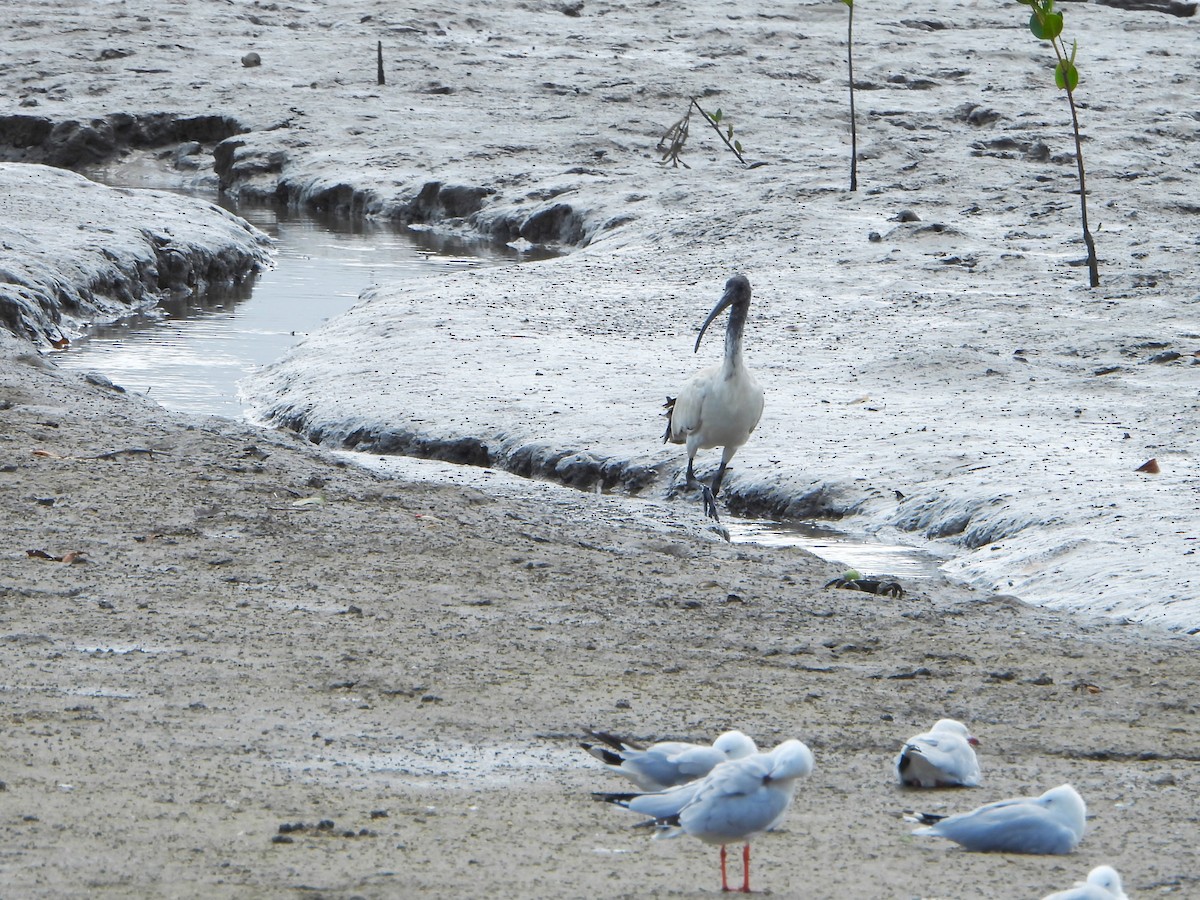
(720, 406)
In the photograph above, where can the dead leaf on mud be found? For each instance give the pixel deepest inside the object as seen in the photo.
(1085, 687)
(72, 556)
(1150, 467)
(49, 454)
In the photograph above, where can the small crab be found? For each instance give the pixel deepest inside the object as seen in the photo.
(851, 581)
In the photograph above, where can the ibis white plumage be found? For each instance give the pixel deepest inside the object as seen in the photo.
(720, 406)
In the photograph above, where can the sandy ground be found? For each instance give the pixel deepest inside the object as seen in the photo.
(241, 633)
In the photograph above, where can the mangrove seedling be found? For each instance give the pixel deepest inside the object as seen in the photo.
(1046, 23)
(850, 69)
(671, 143)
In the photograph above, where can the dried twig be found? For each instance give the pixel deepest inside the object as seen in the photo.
(675, 138)
(672, 141)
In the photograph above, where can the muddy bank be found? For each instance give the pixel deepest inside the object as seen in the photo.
(215, 152)
(71, 143)
(77, 252)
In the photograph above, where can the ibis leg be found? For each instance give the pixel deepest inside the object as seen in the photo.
(710, 499)
(710, 493)
(719, 477)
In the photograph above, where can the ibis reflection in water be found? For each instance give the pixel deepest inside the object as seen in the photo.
(720, 406)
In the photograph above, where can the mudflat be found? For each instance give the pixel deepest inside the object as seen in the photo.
(255, 671)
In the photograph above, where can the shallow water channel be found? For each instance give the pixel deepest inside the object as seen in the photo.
(190, 354)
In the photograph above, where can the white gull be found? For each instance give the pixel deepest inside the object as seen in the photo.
(667, 763)
(1051, 823)
(736, 801)
(1103, 883)
(944, 756)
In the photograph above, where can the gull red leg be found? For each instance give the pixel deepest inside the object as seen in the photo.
(746, 869)
(724, 881)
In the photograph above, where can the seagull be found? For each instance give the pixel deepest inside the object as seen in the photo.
(736, 801)
(720, 406)
(942, 757)
(1103, 883)
(1051, 823)
(668, 763)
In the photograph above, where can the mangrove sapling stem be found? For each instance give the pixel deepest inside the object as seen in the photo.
(850, 70)
(1047, 25)
(716, 127)
(1092, 261)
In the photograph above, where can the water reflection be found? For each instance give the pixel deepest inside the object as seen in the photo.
(859, 552)
(190, 352)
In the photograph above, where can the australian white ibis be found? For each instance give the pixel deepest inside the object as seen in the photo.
(734, 802)
(720, 406)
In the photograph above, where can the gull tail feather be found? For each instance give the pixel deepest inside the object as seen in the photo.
(620, 799)
(617, 743)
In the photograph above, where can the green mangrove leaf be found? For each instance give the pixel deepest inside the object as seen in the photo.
(1066, 76)
(1046, 26)
(850, 3)
(729, 131)
(716, 117)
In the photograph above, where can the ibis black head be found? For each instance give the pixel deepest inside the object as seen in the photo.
(737, 295)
